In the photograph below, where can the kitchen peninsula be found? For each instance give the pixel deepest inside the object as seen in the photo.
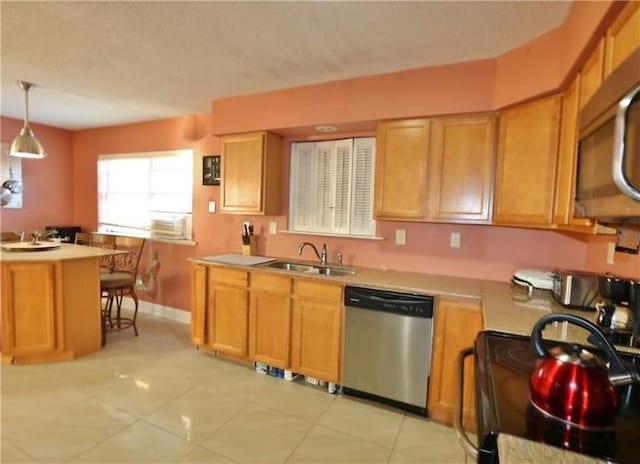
(51, 303)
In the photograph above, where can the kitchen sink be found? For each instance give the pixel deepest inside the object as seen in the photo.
(332, 271)
(291, 266)
(308, 269)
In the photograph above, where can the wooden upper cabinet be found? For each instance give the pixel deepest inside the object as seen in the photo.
(567, 160)
(401, 170)
(591, 75)
(462, 163)
(251, 173)
(526, 164)
(623, 36)
(198, 303)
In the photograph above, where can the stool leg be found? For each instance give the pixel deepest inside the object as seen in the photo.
(135, 311)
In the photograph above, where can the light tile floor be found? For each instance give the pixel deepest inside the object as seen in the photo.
(155, 398)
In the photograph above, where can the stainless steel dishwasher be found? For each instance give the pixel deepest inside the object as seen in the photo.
(387, 347)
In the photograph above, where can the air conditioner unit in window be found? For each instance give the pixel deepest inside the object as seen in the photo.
(172, 227)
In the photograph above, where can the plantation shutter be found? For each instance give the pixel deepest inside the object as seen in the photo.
(323, 186)
(362, 192)
(302, 191)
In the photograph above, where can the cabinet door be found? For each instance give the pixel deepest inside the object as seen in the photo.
(270, 320)
(567, 160)
(198, 303)
(591, 75)
(227, 319)
(462, 165)
(242, 173)
(251, 173)
(526, 165)
(456, 326)
(29, 310)
(401, 170)
(316, 330)
(623, 36)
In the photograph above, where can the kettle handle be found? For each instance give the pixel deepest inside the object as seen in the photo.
(618, 372)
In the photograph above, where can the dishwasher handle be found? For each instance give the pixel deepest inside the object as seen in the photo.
(463, 439)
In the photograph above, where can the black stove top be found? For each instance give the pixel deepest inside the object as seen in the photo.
(503, 365)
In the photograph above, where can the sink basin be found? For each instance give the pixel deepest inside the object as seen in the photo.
(332, 271)
(291, 266)
(307, 269)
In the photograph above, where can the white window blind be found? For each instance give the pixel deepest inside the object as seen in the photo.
(331, 187)
(148, 194)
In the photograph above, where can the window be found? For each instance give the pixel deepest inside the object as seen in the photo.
(148, 194)
(331, 187)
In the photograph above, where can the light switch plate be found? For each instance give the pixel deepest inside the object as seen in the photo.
(455, 239)
(401, 237)
(273, 228)
(212, 206)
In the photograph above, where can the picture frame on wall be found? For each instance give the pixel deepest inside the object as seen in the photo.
(211, 170)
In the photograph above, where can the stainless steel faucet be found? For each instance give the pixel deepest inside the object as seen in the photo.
(322, 256)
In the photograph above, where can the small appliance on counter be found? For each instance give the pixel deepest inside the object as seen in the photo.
(619, 310)
(532, 278)
(577, 290)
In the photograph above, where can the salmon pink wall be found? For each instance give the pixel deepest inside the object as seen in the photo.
(457, 88)
(47, 196)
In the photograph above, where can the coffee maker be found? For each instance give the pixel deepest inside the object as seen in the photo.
(619, 310)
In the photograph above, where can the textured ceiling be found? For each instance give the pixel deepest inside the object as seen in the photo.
(105, 63)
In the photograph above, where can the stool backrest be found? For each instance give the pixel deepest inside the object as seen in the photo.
(128, 262)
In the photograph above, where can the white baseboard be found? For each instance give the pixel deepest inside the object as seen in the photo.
(159, 310)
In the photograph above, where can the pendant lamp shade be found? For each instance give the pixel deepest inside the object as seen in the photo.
(26, 145)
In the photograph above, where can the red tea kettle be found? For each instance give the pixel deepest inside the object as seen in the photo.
(571, 383)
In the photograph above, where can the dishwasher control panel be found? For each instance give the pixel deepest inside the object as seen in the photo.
(392, 302)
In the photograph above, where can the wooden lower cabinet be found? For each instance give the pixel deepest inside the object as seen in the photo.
(198, 304)
(457, 323)
(50, 310)
(228, 312)
(316, 330)
(270, 320)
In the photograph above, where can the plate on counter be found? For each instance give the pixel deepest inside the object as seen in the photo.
(30, 246)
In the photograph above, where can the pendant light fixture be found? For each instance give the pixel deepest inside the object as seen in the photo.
(26, 145)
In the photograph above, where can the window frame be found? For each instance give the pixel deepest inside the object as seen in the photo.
(337, 191)
(174, 216)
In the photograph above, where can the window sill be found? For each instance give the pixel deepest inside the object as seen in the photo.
(151, 239)
(322, 234)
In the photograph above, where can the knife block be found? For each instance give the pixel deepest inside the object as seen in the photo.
(250, 249)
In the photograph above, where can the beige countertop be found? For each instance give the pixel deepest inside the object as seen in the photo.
(501, 311)
(64, 252)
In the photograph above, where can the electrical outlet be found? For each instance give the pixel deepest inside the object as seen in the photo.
(273, 228)
(611, 252)
(401, 237)
(454, 241)
(212, 206)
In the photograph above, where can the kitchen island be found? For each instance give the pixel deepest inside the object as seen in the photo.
(50, 303)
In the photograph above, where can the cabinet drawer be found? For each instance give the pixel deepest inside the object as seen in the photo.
(226, 276)
(318, 290)
(270, 283)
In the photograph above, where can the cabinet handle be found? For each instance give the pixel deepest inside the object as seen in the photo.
(619, 135)
(463, 439)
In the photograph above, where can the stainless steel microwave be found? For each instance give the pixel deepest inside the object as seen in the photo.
(608, 169)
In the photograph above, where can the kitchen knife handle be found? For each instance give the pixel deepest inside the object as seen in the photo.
(463, 439)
